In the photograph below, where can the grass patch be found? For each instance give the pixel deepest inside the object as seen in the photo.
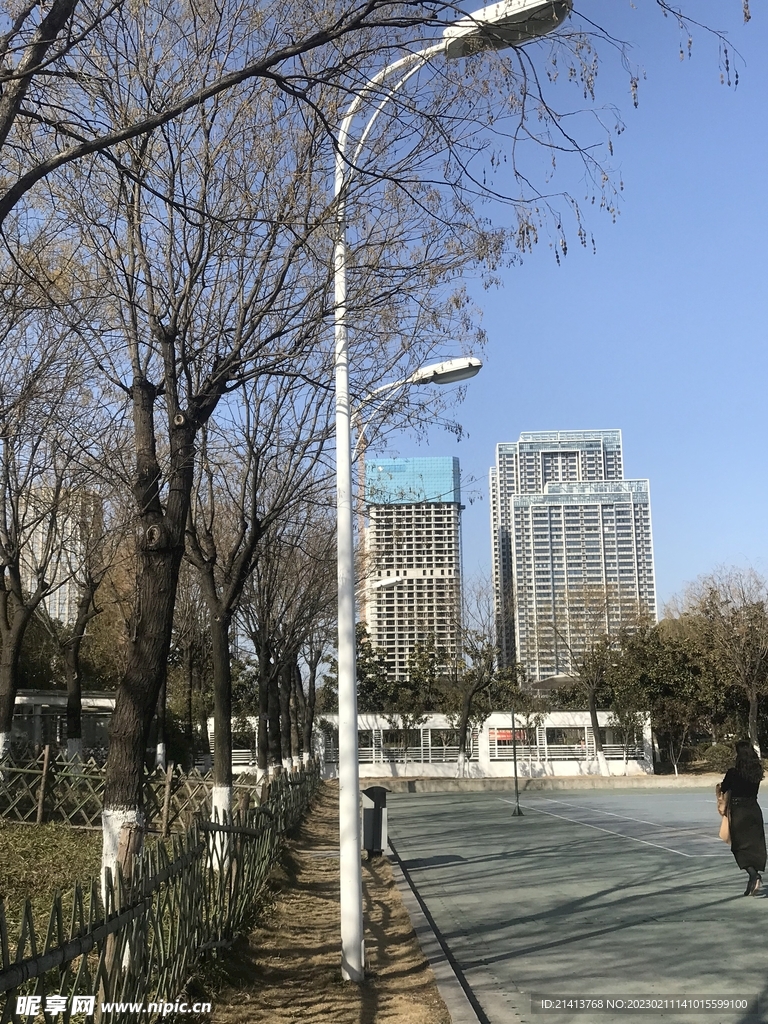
(38, 860)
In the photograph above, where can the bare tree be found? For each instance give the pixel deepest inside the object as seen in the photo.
(476, 670)
(259, 468)
(44, 486)
(288, 609)
(581, 637)
(320, 635)
(190, 686)
(90, 549)
(55, 64)
(194, 303)
(200, 202)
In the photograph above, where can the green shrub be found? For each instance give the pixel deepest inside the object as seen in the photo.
(720, 757)
(689, 755)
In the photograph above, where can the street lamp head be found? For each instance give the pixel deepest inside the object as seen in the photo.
(508, 23)
(449, 372)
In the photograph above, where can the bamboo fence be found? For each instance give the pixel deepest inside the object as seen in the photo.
(56, 790)
(186, 898)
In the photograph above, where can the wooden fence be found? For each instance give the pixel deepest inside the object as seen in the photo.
(57, 790)
(187, 896)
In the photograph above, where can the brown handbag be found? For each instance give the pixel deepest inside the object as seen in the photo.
(723, 807)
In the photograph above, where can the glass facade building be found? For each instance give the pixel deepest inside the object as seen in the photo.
(413, 481)
(572, 547)
(411, 591)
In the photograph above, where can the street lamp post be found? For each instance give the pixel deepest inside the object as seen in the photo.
(516, 813)
(508, 23)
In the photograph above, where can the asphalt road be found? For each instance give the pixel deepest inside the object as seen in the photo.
(588, 896)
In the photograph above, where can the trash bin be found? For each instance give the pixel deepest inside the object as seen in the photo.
(375, 820)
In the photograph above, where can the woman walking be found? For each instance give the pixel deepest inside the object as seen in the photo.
(747, 832)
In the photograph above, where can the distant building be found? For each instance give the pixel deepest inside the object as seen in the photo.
(572, 546)
(558, 743)
(411, 591)
(40, 718)
(64, 532)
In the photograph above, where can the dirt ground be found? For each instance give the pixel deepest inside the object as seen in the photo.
(289, 969)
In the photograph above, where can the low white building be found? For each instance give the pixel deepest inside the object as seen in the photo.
(40, 718)
(560, 743)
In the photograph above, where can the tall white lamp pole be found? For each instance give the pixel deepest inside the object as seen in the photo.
(508, 23)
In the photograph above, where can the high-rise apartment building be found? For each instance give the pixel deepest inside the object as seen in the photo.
(572, 546)
(411, 591)
(61, 533)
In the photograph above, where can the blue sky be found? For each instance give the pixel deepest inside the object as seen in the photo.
(661, 332)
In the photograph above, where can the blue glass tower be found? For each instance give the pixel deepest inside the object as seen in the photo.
(413, 481)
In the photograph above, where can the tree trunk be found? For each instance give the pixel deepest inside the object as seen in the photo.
(675, 752)
(160, 544)
(74, 701)
(293, 709)
(592, 701)
(189, 718)
(222, 715)
(262, 739)
(308, 722)
(300, 702)
(10, 652)
(753, 710)
(284, 697)
(205, 740)
(73, 673)
(466, 710)
(273, 714)
(137, 696)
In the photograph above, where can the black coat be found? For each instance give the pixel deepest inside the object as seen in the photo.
(747, 830)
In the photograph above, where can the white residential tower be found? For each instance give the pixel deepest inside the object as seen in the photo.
(572, 546)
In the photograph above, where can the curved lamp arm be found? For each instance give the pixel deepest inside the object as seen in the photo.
(502, 24)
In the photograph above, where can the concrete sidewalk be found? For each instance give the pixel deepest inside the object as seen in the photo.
(565, 782)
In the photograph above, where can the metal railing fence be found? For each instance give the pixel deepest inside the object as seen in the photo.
(563, 752)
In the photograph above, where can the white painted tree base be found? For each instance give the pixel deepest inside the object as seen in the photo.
(5, 749)
(602, 762)
(113, 822)
(221, 803)
(160, 756)
(221, 812)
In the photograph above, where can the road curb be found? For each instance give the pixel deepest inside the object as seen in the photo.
(452, 990)
(561, 782)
